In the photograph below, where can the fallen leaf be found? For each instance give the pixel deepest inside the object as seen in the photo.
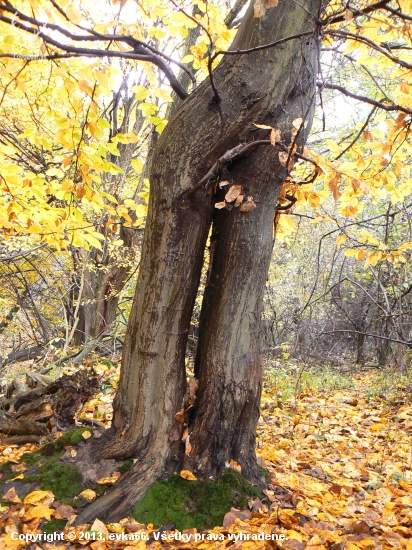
(109, 480)
(19, 467)
(86, 434)
(99, 527)
(20, 476)
(39, 511)
(64, 512)
(186, 474)
(220, 205)
(115, 527)
(11, 496)
(88, 494)
(39, 497)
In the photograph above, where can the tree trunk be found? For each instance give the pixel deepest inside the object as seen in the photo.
(360, 348)
(272, 86)
(104, 278)
(228, 364)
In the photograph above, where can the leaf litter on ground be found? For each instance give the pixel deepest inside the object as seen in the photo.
(340, 466)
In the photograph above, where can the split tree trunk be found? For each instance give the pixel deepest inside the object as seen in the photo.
(272, 86)
(228, 364)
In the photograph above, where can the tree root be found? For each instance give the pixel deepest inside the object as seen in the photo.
(118, 502)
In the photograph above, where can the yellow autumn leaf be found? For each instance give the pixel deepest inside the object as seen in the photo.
(39, 497)
(187, 474)
(88, 494)
(39, 511)
(109, 480)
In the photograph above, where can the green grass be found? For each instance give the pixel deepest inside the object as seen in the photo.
(287, 379)
(199, 504)
(389, 384)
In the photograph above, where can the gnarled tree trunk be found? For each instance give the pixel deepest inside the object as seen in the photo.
(271, 86)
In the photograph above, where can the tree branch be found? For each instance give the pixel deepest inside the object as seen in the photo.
(364, 99)
(358, 135)
(264, 46)
(372, 44)
(140, 50)
(409, 344)
(356, 13)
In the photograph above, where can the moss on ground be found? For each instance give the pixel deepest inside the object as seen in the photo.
(30, 459)
(54, 525)
(200, 504)
(6, 471)
(63, 480)
(72, 437)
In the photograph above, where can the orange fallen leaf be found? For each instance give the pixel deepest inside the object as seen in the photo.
(187, 474)
(88, 494)
(20, 476)
(109, 480)
(39, 511)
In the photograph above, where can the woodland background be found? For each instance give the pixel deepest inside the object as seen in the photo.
(339, 282)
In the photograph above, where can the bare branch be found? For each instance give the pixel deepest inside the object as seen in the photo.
(264, 46)
(356, 13)
(358, 135)
(364, 99)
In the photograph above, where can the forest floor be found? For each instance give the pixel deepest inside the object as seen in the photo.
(338, 448)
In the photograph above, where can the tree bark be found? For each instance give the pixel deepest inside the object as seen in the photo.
(228, 363)
(271, 86)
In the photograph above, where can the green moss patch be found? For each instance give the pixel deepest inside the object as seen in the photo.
(72, 437)
(63, 480)
(54, 525)
(199, 504)
(30, 459)
(125, 466)
(6, 471)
